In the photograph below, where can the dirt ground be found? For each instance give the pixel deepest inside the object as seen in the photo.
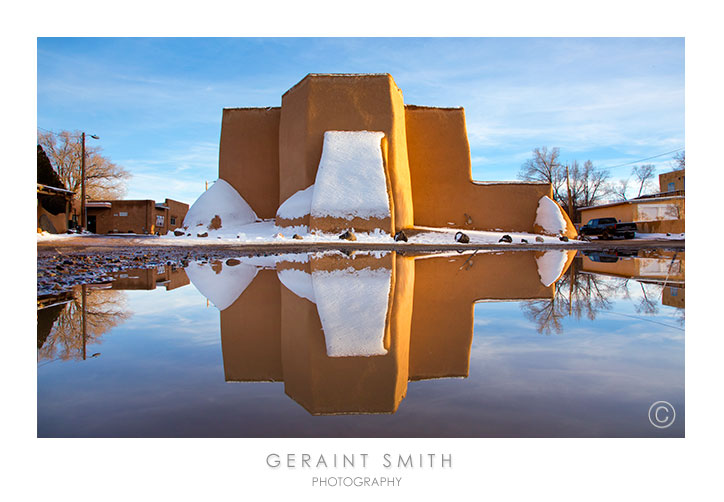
(63, 263)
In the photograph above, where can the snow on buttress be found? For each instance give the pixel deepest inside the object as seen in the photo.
(352, 306)
(550, 266)
(549, 216)
(223, 200)
(351, 179)
(224, 288)
(297, 205)
(298, 282)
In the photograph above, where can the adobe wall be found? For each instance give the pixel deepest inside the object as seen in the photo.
(674, 296)
(333, 385)
(251, 332)
(446, 289)
(58, 221)
(631, 212)
(675, 177)
(139, 219)
(176, 211)
(652, 264)
(321, 103)
(249, 156)
(443, 191)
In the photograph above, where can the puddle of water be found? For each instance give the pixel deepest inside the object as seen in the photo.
(513, 344)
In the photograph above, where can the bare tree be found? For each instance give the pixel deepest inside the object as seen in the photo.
(643, 175)
(577, 295)
(104, 179)
(619, 189)
(589, 184)
(679, 161)
(545, 166)
(66, 338)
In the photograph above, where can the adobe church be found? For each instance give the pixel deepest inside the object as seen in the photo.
(345, 152)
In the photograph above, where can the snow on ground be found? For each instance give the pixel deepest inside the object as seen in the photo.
(549, 216)
(220, 200)
(298, 205)
(447, 236)
(550, 265)
(351, 179)
(298, 282)
(352, 306)
(222, 288)
(671, 237)
(265, 232)
(47, 236)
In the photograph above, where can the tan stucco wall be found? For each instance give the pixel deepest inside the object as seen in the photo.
(443, 191)
(269, 154)
(653, 264)
(322, 103)
(249, 156)
(140, 219)
(149, 278)
(58, 221)
(632, 211)
(332, 385)
(141, 216)
(674, 296)
(446, 289)
(675, 177)
(251, 332)
(176, 210)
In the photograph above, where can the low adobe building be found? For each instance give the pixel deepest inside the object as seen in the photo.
(345, 152)
(135, 216)
(662, 212)
(674, 181)
(54, 209)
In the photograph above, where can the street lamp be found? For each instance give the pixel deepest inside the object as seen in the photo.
(83, 213)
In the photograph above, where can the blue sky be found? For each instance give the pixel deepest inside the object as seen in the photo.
(156, 103)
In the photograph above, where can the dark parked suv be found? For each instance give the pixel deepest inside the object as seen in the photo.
(607, 228)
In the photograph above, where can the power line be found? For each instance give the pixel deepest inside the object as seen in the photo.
(647, 158)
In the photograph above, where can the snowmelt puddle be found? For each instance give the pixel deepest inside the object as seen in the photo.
(369, 333)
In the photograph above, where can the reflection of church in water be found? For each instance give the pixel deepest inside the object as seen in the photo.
(346, 333)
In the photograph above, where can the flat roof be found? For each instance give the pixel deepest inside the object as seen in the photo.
(60, 191)
(633, 201)
(337, 75)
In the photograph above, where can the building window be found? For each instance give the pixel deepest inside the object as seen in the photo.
(671, 186)
(159, 220)
(123, 213)
(173, 220)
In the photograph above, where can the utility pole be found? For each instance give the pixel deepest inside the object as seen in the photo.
(82, 292)
(83, 221)
(83, 211)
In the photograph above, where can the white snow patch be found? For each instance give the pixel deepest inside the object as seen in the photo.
(549, 216)
(298, 205)
(550, 266)
(298, 282)
(224, 288)
(351, 179)
(222, 200)
(352, 306)
(47, 236)
(441, 235)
